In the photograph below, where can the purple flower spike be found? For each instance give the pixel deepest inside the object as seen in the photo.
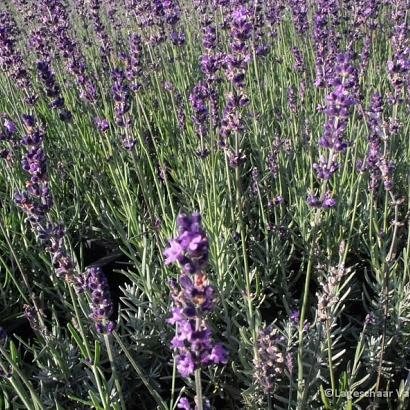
(101, 304)
(278, 200)
(270, 361)
(11, 60)
(339, 102)
(185, 364)
(313, 201)
(193, 298)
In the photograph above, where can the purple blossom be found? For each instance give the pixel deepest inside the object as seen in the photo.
(185, 364)
(198, 100)
(184, 404)
(325, 202)
(9, 126)
(232, 121)
(328, 201)
(270, 361)
(237, 61)
(209, 37)
(326, 40)
(52, 90)
(100, 32)
(101, 304)
(193, 297)
(299, 12)
(378, 165)
(102, 124)
(56, 23)
(191, 247)
(219, 355)
(8, 141)
(36, 200)
(399, 67)
(177, 38)
(299, 63)
(314, 201)
(278, 200)
(11, 61)
(338, 106)
(295, 316)
(175, 253)
(292, 100)
(32, 316)
(134, 62)
(274, 12)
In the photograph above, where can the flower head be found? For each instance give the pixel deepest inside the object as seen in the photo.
(193, 298)
(101, 304)
(190, 249)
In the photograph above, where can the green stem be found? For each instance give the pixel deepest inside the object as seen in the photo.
(198, 388)
(387, 268)
(198, 382)
(301, 388)
(329, 356)
(114, 371)
(248, 296)
(87, 348)
(269, 402)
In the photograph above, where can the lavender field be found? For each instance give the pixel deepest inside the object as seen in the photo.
(204, 204)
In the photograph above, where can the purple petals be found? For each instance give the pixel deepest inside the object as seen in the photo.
(184, 404)
(193, 297)
(339, 102)
(10, 126)
(190, 248)
(325, 202)
(101, 304)
(185, 364)
(174, 253)
(328, 201)
(219, 355)
(102, 124)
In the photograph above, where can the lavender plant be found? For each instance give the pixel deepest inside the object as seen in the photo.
(285, 124)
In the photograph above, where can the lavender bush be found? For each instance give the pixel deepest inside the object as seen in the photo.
(204, 204)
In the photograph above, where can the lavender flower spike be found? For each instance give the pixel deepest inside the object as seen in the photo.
(193, 298)
(101, 304)
(270, 363)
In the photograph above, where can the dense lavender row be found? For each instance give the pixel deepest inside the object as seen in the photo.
(204, 204)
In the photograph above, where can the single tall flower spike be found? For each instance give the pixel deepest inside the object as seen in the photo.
(36, 200)
(193, 298)
(339, 103)
(270, 363)
(101, 303)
